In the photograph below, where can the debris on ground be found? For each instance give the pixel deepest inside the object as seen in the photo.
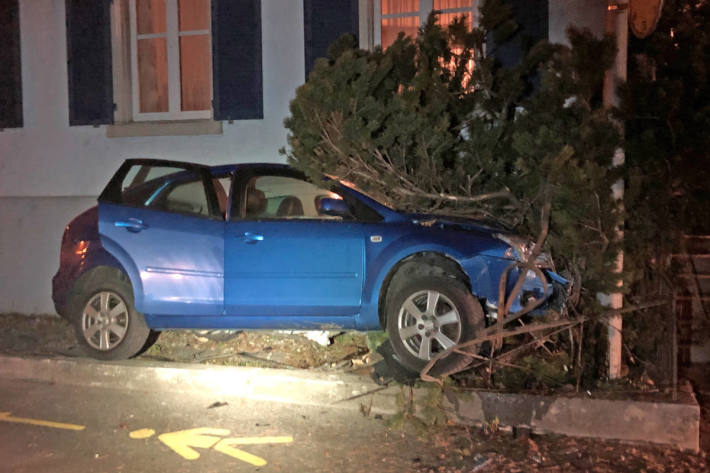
(475, 450)
(53, 336)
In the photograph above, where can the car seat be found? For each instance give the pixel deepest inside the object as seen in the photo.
(291, 206)
(256, 203)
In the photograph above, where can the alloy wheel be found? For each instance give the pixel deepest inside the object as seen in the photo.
(104, 320)
(428, 323)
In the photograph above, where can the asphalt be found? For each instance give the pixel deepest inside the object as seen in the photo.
(670, 423)
(61, 428)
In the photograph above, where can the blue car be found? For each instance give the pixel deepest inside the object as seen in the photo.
(174, 245)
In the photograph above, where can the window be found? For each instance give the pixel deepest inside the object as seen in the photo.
(196, 59)
(170, 59)
(165, 188)
(395, 16)
(222, 186)
(185, 197)
(284, 197)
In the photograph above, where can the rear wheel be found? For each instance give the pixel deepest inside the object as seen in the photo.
(427, 315)
(107, 325)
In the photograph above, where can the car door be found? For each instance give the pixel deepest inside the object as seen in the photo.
(284, 259)
(161, 220)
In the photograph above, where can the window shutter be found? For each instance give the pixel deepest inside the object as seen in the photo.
(324, 22)
(236, 60)
(89, 62)
(10, 69)
(532, 17)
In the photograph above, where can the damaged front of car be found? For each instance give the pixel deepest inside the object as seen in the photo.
(543, 289)
(505, 259)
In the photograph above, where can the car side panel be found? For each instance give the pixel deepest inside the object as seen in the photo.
(249, 322)
(293, 268)
(480, 257)
(388, 244)
(178, 259)
(64, 280)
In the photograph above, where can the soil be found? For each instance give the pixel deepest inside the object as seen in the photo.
(484, 450)
(453, 448)
(53, 336)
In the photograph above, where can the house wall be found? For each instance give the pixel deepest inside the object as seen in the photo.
(49, 172)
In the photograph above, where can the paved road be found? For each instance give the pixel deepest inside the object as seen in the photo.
(57, 428)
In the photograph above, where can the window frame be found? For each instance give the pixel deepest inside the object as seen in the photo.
(172, 36)
(425, 7)
(113, 192)
(237, 211)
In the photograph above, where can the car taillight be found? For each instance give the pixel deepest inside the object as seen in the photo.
(80, 248)
(65, 251)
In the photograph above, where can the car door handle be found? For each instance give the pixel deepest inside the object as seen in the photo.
(252, 238)
(132, 225)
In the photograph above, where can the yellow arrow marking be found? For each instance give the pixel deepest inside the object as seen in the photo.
(6, 417)
(226, 446)
(182, 440)
(142, 433)
(258, 440)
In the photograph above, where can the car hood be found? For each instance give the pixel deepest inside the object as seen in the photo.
(457, 223)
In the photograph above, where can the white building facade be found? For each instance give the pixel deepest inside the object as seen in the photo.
(85, 84)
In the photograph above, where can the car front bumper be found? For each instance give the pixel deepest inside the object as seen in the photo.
(553, 291)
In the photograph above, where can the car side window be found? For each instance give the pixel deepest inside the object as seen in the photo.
(166, 188)
(283, 197)
(185, 197)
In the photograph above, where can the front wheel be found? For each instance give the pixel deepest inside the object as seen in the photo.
(428, 315)
(106, 324)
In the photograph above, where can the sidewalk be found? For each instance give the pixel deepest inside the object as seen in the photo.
(656, 422)
(670, 423)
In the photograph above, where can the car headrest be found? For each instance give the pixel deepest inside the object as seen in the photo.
(256, 202)
(291, 206)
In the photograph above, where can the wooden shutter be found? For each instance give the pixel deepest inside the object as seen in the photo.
(10, 69)
(324, 22)
(532, 17)
(236, 60)
(89, 62)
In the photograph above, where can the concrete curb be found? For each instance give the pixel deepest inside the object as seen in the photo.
(276, 385)
(676, 423)
(670, 423)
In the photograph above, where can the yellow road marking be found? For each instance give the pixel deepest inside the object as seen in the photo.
(6, 417)
(142, 433)
(183, 441)
(225, 446)
(258, 440)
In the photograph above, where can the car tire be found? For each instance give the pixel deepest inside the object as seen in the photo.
(106, 323)
(413, 325)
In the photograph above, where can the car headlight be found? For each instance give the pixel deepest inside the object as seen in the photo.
(521, 248)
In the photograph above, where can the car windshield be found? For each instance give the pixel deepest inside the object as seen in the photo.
(379, 199)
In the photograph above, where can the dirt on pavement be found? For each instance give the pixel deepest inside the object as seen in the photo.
(53, 336)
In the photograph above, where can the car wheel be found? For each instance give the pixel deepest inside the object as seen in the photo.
(427, 315)
(107, 324)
